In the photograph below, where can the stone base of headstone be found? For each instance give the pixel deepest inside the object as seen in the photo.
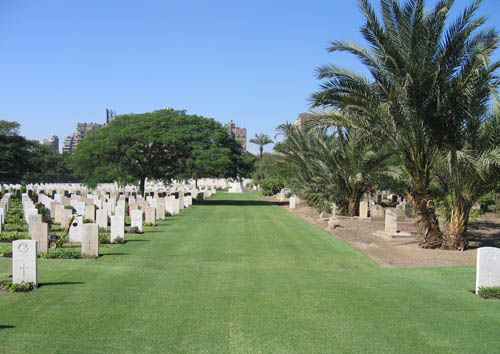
(398, 236)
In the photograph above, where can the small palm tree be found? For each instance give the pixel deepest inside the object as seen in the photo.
(261, 140)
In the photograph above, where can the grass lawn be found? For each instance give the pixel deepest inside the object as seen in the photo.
(239, 275)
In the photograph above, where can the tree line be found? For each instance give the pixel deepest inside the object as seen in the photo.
(162, 145)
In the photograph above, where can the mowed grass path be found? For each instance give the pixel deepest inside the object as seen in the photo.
(238, 275)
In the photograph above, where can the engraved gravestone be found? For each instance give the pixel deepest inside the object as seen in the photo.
(363, 209)
(169, 206)
(90, 240)
(160, 210)
(90, 212)
(24, 261)
(150, 215)
(488, 267)
(292, 202)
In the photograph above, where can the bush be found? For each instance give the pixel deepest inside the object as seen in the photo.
(148, 224)
(13, 236)
(16, 288)
(6, 251)
(87, 221)
(271, 186)
(104, 236)
(119, 240)
(488, 292)
(16, 227)
(62, 253)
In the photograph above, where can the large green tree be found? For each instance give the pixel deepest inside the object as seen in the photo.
(162, 145)
(16, 153)
(420, 70)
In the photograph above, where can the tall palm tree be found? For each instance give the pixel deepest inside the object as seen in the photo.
(420, 70)
(261, 140)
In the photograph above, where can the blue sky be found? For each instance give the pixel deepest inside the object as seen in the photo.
(253, 62)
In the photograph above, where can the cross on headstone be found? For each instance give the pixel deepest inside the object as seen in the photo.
(24, 268)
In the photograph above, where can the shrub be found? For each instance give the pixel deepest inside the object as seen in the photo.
(6, 251)
(62, 253)
(148, 224)
(16, 227)
(488, 292)
(272, 185)
(16, 288)
(87, 221)
(119, 240)
(13, 236)
(104, 236)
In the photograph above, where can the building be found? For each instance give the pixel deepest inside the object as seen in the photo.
(239, 134)
(52, 143)
(302, 120)
(82, 129)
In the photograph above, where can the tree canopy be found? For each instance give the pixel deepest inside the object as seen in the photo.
(162, 145)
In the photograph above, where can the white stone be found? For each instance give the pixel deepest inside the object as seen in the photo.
(76, 230)
(90, 240)
(363, 209)
(391, 221)
(39, 232)
(292, 202)
(488, 267)
(102, 218)
(169, 206)
(136, 219)
(117, 227)
(24, 261)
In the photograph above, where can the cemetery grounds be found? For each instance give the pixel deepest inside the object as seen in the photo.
(238, 274)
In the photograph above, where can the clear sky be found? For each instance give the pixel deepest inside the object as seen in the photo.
(251, 61)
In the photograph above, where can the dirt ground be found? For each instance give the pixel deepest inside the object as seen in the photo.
(403, 253)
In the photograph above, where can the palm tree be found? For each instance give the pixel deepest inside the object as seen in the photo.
(335, 167)
(467, 173)
(261, 140)
(420, 71)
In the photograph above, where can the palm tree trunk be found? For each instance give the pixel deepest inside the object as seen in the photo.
(261, 148)
(354, 201)
(429, 235)
(454, 237)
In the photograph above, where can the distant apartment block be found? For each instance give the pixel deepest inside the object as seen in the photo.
(52, 143)
(82, 129)
(237, 133)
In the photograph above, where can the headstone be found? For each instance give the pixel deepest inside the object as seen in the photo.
(169, 206)
(102, 218)
(39, 232)
(488, 267)
(76, 230)
(90, 240)
(292, 202)
(160, 210)
(24, 261)
(66, 216)
(136, 219)
(34, 219)
(150, 215)
(391, 221)
(117, 227)
(363, 209)
(377, 212)
(90, 212)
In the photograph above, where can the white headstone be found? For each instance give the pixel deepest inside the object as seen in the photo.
(391, 221)
(90, 240)
(292, 202)
(136, 219)
(76, 230)
(488, 267)
(117, 227)
(363, 209)
(39, 232)
(24, 261)
(102, 218)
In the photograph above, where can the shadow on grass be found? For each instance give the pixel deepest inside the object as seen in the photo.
(61, 283)
(6, 326)
(113, 254)
(241, 202)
